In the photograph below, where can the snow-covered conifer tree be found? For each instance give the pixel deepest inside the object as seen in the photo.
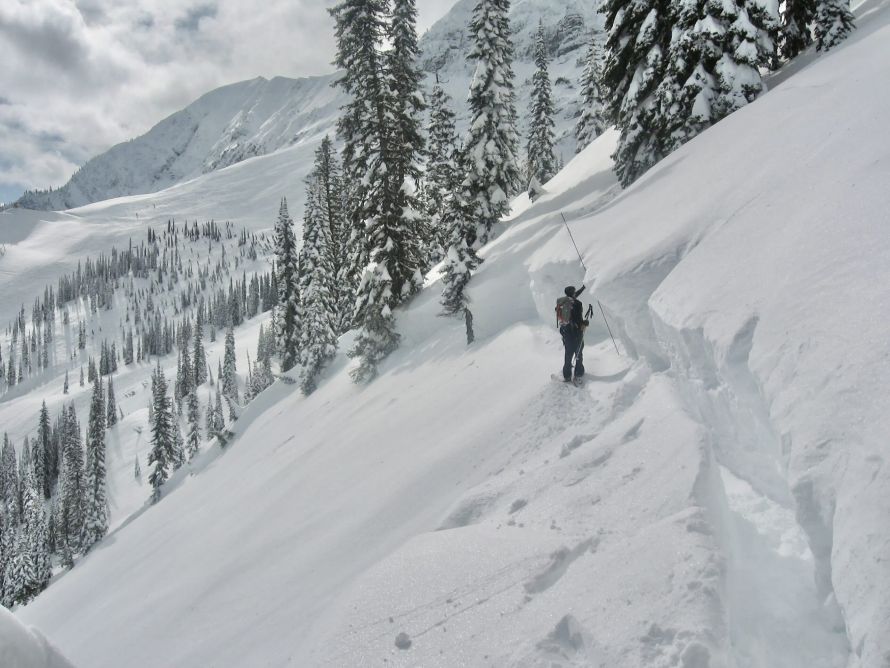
(229, 378)
(406, 99)
(111, 405)
(36, 540)
(461, 259)
(592, 121)
(8, 541)
(74, 487)
(331, 205)
(638, 42)
(712, 66)
(51, 455)
(287, 264)
(489, 156)
(9, 480)
(492, 172)
(443, 175)
(194, 419)
(219, 419)
(96, 499)
(380, 161)
(162, 453)
(541, 158)
(38, 466)
(199, 356)
(834, 22)
(318, 343)
(795, 33)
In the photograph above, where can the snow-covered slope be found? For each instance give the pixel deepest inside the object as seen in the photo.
(715, 496)
(21, 647)
(258, 117)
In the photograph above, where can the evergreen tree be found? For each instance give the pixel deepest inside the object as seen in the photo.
(592, 122)
(210, 417)
(330, 204)
(490, 149)
(7, 548)
(318, 343)
(381, 148)
(36, 570)
(834, 22)
(713, 66)
(9, 480)
(639, 36)
(38, 466)
(407, 105)
(162, 453)
(137, 470)
(21, 574)
(229, 378)
(179, 453)
(186, 377)
(96, 499)
(219, 420)
(199, 357)
(461, 259)
(74, 486)
(51, 455)
(194, 418)
(540, 154)
(795, 35)
(287, 263)
(128, 348)
(65, 385)
(489, 156)
(443, 174)
(111, 405)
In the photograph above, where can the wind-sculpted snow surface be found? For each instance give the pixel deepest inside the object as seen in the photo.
(21, 647)
(716, 496)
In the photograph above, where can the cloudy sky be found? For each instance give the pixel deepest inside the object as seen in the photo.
(77, 76)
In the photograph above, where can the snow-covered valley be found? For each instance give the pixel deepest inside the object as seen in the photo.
(716, 494)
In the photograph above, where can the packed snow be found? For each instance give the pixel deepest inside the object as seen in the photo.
(714, 495)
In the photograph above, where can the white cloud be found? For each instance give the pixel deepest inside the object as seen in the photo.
(78, 77)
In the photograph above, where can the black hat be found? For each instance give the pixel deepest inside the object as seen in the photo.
(570, 291)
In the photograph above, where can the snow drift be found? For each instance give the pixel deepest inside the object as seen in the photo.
(21, 647)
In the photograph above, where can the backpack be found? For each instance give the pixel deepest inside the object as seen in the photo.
(564, 311)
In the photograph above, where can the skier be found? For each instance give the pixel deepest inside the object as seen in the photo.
(571, 323)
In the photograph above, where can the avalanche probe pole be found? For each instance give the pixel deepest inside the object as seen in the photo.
(581, 259)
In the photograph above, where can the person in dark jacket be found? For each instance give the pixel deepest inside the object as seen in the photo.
(573, 337)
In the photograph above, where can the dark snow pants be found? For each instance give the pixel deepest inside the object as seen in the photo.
(573, 341)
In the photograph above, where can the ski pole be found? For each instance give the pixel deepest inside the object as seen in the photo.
(581, 260)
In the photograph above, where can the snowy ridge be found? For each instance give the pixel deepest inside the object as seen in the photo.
(221, 128)
(259, 117)
(715, 496)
